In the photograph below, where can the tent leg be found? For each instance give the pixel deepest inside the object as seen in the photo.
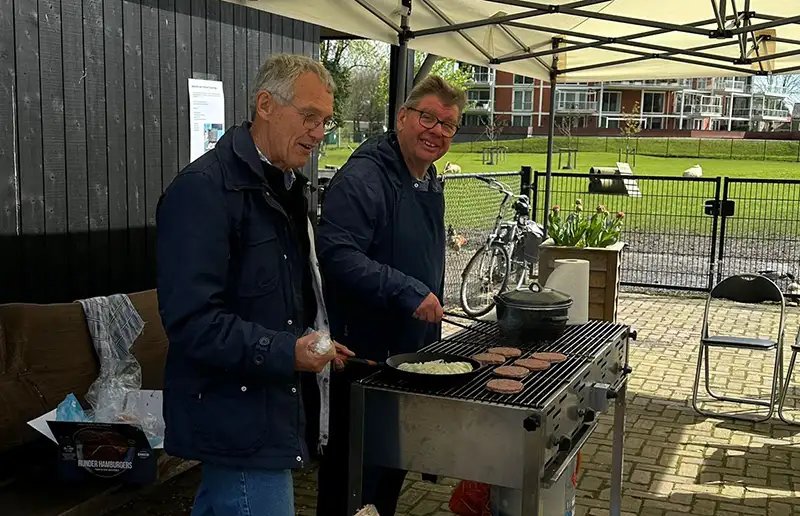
(551, 127)
(399, 88)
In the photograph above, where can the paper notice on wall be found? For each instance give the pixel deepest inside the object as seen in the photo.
(206, 115)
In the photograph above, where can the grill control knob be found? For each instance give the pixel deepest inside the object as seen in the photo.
(564, 444)
(589, 415)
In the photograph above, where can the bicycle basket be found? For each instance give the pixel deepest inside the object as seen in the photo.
(532, 236)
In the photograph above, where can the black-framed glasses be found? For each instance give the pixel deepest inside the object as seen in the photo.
(311, 120)
(428, 121)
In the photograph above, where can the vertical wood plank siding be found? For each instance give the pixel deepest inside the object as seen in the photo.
(94, 124)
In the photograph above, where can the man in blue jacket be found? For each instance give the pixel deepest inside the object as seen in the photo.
(237, 292)
(381, 244)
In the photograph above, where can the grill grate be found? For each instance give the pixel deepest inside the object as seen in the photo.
(585, 340)
(581, 344)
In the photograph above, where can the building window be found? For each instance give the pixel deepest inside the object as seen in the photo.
(656, 123)
(521, 120)
(653, 102)
(612, 102)
(479, 99)
(523, 100)
(480, 74)
(521, 79)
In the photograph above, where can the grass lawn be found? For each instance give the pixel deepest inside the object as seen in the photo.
(665, 206)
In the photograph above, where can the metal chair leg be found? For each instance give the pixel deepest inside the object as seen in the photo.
(777, 381)
(697, 379)
(785, 389)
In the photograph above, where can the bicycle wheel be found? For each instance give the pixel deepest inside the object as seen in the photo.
(489, 270)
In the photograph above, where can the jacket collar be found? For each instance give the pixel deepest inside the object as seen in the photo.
(251, 175)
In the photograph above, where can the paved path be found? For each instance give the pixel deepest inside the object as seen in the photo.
(676, 462)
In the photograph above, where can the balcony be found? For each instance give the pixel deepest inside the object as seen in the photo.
(576, 106)
(742, 112)
(773, 90)
(699, 110)
(478, 106)
(774, 113)
(731, 85)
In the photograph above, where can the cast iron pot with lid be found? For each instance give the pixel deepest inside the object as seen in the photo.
(532, 313)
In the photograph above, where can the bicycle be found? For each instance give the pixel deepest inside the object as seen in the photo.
(510, 250)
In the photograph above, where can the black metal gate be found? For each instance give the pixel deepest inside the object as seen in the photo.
(759, 230)
(672, 242)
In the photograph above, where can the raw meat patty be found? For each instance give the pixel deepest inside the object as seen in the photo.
(553, 358)
(506, 352)
(532, 364)
(504, 386)
(512, 371)
(489, 358)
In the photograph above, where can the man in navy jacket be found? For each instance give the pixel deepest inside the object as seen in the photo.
(236, 294)
(381, 244)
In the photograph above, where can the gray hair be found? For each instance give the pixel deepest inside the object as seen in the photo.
(278, 74)
(435, 85)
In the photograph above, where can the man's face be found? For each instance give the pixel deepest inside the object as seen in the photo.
(420, 134)
(295, 126)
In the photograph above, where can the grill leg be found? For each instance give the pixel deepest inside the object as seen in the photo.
(356, 448)
(532, 472)
(618, 451)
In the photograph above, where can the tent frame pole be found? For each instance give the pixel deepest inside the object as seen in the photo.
(551, 129)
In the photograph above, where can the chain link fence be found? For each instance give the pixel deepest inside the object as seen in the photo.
(471, 208)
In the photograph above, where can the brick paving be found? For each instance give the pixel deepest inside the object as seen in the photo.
(676, 462)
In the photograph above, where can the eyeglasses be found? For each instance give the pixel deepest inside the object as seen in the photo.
(310, 120)
(428, 121)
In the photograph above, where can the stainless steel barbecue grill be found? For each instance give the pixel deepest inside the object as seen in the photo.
(520, 441)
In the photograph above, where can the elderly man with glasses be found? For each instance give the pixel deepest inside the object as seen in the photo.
(238, 290)
(381, 243)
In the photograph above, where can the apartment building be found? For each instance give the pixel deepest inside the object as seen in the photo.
(713, 104)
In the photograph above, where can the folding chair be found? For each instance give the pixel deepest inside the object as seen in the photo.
(785, 389)
(750, 289)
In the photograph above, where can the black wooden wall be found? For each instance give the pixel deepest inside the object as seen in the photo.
(94, 123)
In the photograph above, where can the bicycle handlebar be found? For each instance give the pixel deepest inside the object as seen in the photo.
(493, 183)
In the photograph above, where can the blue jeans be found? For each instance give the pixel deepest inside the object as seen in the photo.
(238, 492)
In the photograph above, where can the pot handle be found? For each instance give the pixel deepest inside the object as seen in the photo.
(535, 287)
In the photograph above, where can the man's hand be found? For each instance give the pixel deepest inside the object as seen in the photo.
(305, 356)
(430, 310)
(341, 356)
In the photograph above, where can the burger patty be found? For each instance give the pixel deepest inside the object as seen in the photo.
(489, 358)
(512, 371)
(505, 351)
(553, 358)
(532, 364)
(504, 386)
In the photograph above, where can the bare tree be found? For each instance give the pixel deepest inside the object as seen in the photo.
(565, 124)
(788, 85)
(630, 126)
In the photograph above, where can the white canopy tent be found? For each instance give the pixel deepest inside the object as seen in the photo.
(574, 40)
(599, 40)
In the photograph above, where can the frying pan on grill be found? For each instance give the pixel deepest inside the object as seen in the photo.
(426, 380)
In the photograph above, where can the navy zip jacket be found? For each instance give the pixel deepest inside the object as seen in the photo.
(380, 244)
(230, 275)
